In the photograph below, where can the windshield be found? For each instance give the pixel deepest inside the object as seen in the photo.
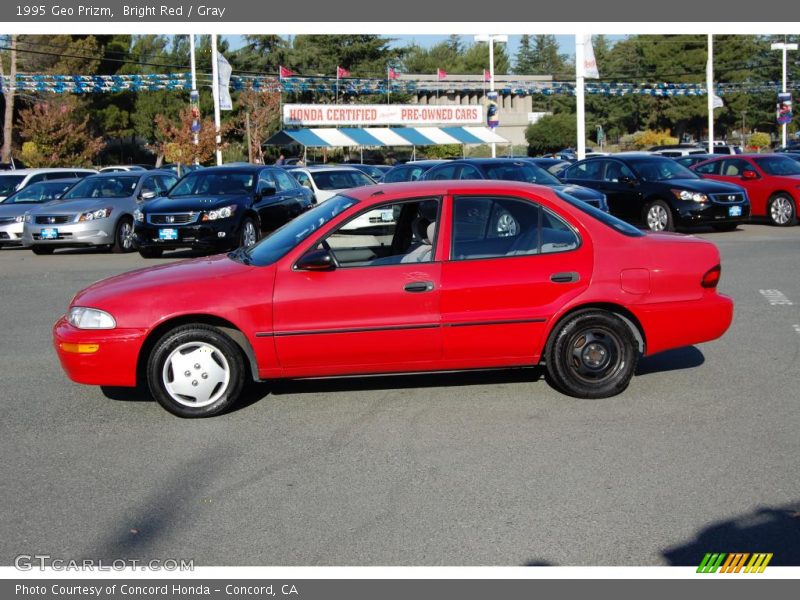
(524, 172)
(340, 180)
(9, 183)
(39, 192)
(605, 218)
(778, 165)
(115, 186)
(215, 183)
(660, 170)
(278, 243)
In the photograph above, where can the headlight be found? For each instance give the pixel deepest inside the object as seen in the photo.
(100, 213)
(20, 218)
(27, 217)
(690, 196)
(138, 215)
(90, 318)
(219, 213)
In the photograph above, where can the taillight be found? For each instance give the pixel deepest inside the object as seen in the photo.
(711, 278)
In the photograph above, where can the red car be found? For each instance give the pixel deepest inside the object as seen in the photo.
(408, 277)
(772, 182)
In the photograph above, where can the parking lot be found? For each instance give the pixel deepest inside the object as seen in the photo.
(700, 454)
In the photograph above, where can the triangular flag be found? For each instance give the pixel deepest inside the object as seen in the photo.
(284, 72)
(342, 72)
(393, 74)
(441, 74)
(486, 75)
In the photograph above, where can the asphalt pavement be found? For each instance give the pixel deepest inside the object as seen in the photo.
(700, 454)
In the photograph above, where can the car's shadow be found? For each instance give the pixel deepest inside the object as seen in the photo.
(188, 253)
(681, 358)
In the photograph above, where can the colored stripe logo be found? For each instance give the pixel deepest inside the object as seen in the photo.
(734, 562)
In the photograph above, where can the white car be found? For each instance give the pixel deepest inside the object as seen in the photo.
(326, 182)
(13, 181)
(120, 168)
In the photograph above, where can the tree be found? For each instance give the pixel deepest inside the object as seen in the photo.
(545, 55)
(262, 109)
(525, 60)
(552, 133)
(8, 95)
(176, 140)
(56, 136)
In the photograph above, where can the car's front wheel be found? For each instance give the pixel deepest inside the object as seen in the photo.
(592, 354)
(658, 216)
(781, 210)
(195, 371)
(249, 234)
(123, 237)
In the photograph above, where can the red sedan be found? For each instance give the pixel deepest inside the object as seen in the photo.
(772, 182)
(441, 275)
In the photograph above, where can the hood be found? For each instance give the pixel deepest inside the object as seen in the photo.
(193, 203)
(12, 210)
(73, 206)
(580, 192)
(706, 186)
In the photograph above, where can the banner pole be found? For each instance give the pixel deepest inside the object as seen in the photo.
(215, 92)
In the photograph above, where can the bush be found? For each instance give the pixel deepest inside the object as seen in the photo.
(552, 133)
(642, 140)
(758, 141)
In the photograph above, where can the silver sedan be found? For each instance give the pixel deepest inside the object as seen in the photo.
(97, 211)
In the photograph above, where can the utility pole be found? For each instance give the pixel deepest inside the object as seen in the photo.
(710, 92)
(491, 39)
(784, 47)
(8, 118)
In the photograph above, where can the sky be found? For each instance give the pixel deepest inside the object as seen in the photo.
(566, 43)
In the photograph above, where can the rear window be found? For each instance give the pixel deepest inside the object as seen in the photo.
(341, 180)
(608, 220)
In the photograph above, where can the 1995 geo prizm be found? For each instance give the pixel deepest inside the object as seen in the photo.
(440, 275)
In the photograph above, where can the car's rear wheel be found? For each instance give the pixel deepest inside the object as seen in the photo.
(249, 233)
(42, 250)
(593, 354)
(781, 210)
(658, 216)
(123, 236)
(150, 252)
(195, 371)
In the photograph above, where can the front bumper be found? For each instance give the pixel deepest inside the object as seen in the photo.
(712, 212)
(11, 234)
(211, 235)
(99, 232)
(114, 361)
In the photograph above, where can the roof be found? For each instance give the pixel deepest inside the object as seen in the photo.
(384, 136)
(45, 170)
(136, 173)
(448, 186)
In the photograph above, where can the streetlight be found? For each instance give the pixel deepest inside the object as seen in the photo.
(491, 39)
(784, 46)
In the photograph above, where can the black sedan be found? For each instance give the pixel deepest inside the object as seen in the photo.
(410, 171)
(219, 209)
(512, 169)
(554, 166)
(660, 193)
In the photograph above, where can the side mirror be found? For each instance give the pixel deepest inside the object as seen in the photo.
(265, 191)
(316, 260)
(147, 195)
(748, 174)
(629, 180)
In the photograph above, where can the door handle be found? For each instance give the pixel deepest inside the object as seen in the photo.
(419, 286)
(566, 277)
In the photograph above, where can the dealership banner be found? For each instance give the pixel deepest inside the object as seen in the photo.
(382, 114)
(784, 109)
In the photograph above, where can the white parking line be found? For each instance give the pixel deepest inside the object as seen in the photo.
(776, 297)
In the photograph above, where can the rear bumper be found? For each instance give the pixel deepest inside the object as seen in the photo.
(676, 324)
(112, 364)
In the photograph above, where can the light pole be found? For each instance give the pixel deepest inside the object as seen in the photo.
(491, 39)
(785, 47)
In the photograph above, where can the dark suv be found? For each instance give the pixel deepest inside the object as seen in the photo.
(219, 209)
(660, 193)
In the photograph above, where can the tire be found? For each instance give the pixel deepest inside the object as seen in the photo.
(658, 217)
(781, 210)
(123, 236)
(150, 252)
(592, 354)
(196, 371)
(249, 233)
(724, 226)
(42, 250)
